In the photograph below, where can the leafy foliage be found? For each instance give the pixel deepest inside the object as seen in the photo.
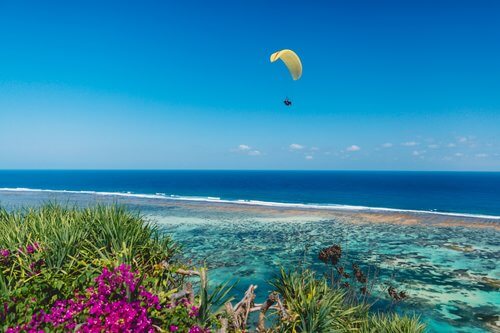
(313, 305)
(49, 253)
(212, 302)
(392, 323)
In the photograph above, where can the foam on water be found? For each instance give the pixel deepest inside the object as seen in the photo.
(256, 202)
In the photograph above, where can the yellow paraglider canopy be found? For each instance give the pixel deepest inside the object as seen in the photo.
(291, 60)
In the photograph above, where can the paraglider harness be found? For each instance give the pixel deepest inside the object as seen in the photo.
(287, 102)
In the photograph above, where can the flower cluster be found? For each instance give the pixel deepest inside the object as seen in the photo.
(4, 256)
(194, 311)
(30, 248)
(109, 306)
(116, 303)
(197, 329)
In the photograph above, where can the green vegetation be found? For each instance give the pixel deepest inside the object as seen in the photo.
(313, 306)
(105, 269)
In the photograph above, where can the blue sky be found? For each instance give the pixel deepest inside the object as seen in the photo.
(392, 85)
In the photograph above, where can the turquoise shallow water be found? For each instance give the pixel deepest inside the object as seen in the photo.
(448, 270)
(446, 285)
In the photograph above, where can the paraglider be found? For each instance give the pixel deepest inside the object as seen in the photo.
(292, 62)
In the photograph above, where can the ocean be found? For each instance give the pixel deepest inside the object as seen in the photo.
(448, 192)
(434, 234)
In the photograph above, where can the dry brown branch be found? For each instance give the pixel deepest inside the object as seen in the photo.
(180, 294)
(187, 272)
(158, 328)
(242, 309)
(248, 294)
(189, 289)
(281, 308)
(271, 299)
(258, 307)
(231, 314)
(239, 313)
(224, 325)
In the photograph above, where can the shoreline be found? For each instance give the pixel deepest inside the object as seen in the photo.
(355, 214)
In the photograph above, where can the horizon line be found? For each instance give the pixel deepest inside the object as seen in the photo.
(222, 169)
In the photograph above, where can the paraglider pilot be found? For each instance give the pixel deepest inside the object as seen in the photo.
(292, 62)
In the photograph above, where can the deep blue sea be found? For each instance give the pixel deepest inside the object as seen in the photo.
(459, 192)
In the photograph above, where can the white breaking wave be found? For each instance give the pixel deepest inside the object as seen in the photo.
(163, 196)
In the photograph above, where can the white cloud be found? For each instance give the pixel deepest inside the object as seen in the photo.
(481, 155)
(451, 145)
(314, 148)
(296, 146)
(462, 139)
(418, 152)
(243, 148)
(309, 157)
(387, 145)
(353, 148)
(247, 150)
(459, 154)
(410, 144)
(433, 146)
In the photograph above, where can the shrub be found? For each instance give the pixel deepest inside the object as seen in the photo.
(314, 305)
(117, 302)
(392, 323)
(49, 253)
